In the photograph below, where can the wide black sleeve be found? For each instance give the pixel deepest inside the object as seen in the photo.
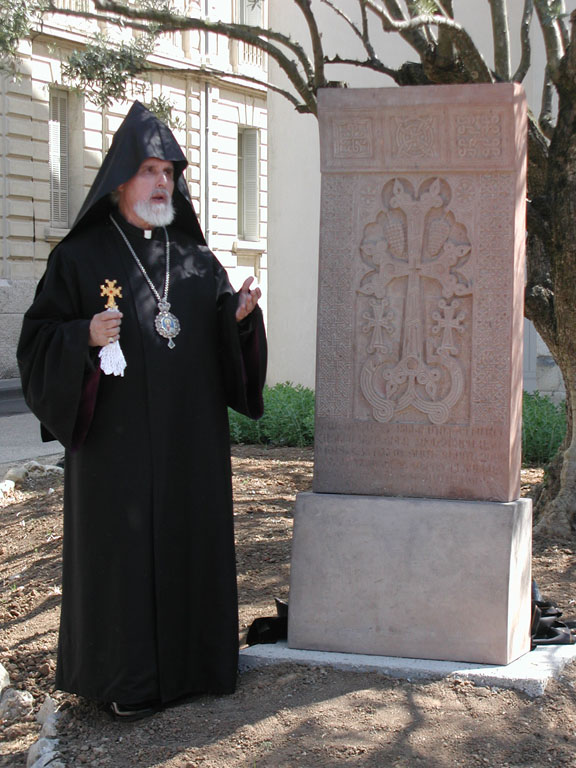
(243, 350)
(59, 375)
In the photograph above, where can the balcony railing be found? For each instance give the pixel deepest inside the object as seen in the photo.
(250, 55)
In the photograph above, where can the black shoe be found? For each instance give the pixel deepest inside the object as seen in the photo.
(130, 712)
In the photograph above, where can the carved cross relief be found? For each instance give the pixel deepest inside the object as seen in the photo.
(417, 271)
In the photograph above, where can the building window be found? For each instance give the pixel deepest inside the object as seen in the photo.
(244, 55)
(248, 192)
(58, 157)
(250, 12)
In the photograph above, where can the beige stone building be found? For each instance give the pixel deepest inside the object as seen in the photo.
(52, 140)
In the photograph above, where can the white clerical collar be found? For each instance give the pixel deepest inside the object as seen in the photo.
(148, 234)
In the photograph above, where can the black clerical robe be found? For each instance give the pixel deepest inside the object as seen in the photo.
(149, 605)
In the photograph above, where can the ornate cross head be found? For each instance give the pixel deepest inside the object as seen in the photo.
(111, 290)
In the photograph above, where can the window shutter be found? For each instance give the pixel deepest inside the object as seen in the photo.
(58, 158)
(249, 208)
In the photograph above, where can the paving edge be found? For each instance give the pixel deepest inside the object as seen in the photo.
(530, 673)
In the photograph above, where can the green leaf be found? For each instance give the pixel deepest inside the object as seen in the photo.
(104, 68)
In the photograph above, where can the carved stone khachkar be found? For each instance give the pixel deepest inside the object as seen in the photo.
(420, 319)
(419, 376)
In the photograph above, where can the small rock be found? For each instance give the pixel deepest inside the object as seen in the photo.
(33, 466)
(44, 669)
(53, 469)
(17, 475)
(50, 728)
(42, 753)
(4, 678)
(38, 750)
(47, 709)
(15, 704)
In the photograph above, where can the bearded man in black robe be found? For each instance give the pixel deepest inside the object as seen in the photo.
(149, 604)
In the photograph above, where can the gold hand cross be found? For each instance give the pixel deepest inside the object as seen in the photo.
(111, 291)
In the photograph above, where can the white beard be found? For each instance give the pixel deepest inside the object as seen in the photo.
(156, 214)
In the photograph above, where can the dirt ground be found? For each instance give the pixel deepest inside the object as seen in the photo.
(283, 717)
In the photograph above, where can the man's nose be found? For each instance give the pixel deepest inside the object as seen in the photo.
(162, 178)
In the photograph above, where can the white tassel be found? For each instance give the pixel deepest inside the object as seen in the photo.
(112, 359)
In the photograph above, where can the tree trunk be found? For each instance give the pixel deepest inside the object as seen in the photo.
(557, 509)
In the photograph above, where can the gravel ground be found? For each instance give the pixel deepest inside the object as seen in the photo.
(288, 716)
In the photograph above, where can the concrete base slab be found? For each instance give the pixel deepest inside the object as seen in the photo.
(530, 673)
(418, 578)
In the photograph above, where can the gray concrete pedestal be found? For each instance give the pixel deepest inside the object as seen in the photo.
(414, 578)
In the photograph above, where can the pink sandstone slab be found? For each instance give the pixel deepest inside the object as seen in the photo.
(420, 313)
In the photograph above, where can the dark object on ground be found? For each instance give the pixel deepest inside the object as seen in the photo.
(130, 713)
(270, 629)
(545, 626)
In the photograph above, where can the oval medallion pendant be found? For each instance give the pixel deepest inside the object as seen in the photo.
(167, 324)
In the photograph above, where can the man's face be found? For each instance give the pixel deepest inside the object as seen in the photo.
(145, 200)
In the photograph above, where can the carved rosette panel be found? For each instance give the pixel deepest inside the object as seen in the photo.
(414, 299)
(414, 137)
(335, 359)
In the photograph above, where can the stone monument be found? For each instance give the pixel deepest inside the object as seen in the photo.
(414, 542)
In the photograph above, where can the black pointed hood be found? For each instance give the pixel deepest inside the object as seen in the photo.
(140, 136)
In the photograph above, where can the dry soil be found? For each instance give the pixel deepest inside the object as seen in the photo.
(287, 716)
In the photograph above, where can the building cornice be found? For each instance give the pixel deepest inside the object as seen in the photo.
(199, 69)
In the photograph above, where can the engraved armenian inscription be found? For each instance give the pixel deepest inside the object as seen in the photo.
(414, 307)
(353, 138)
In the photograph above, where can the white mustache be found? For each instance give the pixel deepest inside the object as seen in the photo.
(160, 193)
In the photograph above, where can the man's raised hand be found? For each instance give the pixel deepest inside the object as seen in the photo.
(247, 299)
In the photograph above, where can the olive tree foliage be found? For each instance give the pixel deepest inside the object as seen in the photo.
(443, 51)
(17, 18)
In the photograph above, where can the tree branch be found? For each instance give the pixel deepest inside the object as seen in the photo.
(414, 8)
(251, 35)
(212, 73)
(374, 64)
(365, 30)
(172, 22)
(501, 37)
(363, 33)
(414, 37)
(552, 34)
(546, 119)
(470, 55)
(562, 17)
(316, 38)
(446, 8)
(446, 51)
(116, 22)
(524, 65)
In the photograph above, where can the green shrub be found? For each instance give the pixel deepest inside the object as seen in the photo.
(543, 428)
(288, 418)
